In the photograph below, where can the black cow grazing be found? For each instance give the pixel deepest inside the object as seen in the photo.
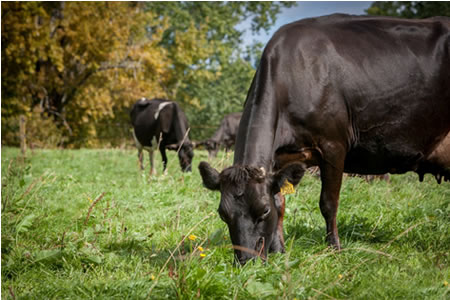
(225, 135)
(366, 95)
(165, 123)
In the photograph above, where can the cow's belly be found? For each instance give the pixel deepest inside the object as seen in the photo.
(382, 153)
(381, 160)
(396, 143)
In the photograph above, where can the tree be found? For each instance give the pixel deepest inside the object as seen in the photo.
(214, 81)
(75, 68)
(410, 9)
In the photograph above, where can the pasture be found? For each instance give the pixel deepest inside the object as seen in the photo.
(87, 224)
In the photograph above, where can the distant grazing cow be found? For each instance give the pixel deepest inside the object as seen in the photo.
(366, 95)
(225, 135)
(162, 123)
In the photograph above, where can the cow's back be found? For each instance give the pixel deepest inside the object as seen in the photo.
(381, 85)
(145, 118)
(232, 124)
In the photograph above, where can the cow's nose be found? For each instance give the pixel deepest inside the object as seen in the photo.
(260, 246)
(243, 259)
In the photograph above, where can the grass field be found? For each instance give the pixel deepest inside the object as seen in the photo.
(86, 224)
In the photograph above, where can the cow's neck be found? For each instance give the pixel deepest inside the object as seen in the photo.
(256, 135)
(179, 126)
(218, 135)
(180, 131)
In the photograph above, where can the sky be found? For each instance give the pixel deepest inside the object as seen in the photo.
(305, 9)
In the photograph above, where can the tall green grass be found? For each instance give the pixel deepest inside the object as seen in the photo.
(85, 224)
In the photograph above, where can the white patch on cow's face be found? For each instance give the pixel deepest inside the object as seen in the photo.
(160, 107)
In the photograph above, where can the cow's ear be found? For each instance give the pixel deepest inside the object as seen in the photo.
(210, 176)
(292, 173)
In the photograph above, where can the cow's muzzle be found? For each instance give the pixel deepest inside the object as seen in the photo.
(243, 254)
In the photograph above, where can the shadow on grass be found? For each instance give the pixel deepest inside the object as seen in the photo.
(150, 251)
(351, 229)
(130, 247)
(418, 234)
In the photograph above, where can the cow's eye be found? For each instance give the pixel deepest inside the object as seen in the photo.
(264, 215)
(222, 217)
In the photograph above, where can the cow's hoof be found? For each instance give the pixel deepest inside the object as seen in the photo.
(334, 243)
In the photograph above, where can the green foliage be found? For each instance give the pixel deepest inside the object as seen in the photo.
(410, 9)
(219, 97)
(88, 224)
(217, 73)
(81, 65)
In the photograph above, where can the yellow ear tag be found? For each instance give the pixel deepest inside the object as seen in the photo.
(287, 188)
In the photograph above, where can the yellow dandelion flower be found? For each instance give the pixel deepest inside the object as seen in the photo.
(200, 248)
(192, 237)
(445, 283)
(202, 255)
(152, 277)
(340, 276)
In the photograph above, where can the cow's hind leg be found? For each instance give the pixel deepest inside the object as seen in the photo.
(152, 163)
(140, 154)
(141, 159)
(331, 171)
(162, 149)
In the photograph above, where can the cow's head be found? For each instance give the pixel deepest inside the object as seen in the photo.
(185, 156)
(251, 205)
(212, 147)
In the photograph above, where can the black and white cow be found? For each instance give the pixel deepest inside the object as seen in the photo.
(161, 123)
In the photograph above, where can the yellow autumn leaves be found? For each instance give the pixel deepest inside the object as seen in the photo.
(87, 62)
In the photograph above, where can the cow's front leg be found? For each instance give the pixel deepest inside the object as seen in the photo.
(278, 242)
(162, 149)
(331, 176)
